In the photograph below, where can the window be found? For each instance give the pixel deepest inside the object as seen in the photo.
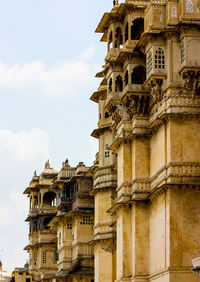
(87, 220)
(118, 84)
(159, 59)
(107, 154)
(106, 115)
(189, 6)
(149, 62)
(59, 237)
(69, 225)
(56, 258)
(28, 280)
(35, 258)
(20, 273)
(137, 28)
(126, 32)
(173, 11)
(110, 86)
(44, 257)
(138, 75)
(126, 78)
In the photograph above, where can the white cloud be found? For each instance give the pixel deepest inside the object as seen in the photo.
(24, 146)
(67, 77)
(6, 213)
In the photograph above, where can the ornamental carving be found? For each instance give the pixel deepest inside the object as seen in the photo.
(136, 105)
(191, 82)
(155, 86)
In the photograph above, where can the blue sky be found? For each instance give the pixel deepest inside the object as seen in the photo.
(49, 55)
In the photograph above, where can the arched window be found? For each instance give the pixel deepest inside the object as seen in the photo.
(118, 38)
(126, 32)
(126, 78)
(36, 202)
(110, 39)
(138, 75)
(159, 59)
(110, 86)
(106, 115)
(137, 28)
(119, 84)
(49, 199)
(189, 6)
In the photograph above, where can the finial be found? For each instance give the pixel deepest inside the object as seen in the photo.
(115, 2)
(35, 173)
(47, 164)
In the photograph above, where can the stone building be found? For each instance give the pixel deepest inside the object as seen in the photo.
(146, 183)
(42, 240)
(74, 224)
(61, 225)
(21, 274)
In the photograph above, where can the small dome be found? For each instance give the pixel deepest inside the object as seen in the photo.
(48, 172)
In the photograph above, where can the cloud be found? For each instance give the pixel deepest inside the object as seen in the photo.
(67, 77)
(24, 146)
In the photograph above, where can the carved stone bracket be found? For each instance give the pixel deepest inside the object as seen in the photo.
(155, 87)
(136, 105)
(191, 82)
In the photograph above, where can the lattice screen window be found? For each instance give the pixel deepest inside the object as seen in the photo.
(107, 154)
(69, 225)
(159, 59)
(149, 62)
(87, 219)
(189, 6)
(173, 11)
(44, 257)
(35, 258)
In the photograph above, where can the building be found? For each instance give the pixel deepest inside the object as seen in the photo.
(21, 274)
(4, 275)
(42, 240)
(74, 224)
(147, 182)
(61, 225)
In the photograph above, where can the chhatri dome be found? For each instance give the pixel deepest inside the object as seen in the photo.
(4, 275)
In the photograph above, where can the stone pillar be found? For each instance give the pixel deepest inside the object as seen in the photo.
(124, 242)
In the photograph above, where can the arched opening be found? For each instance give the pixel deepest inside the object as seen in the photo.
(106, 115)
(30, 202)
(35, 202)
(110, 86)
(110, 40)
(49, 199)
(118, 38)
(119, 84)
(126, 32)
(126, 78)
(138, 75)
(137, 28)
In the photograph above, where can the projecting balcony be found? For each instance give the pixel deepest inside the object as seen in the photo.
(129, 45)
(112, 54)
(33, 238)
(64, 203)
(134, 89)
(104, 122)
(113, 97)
(46, 236)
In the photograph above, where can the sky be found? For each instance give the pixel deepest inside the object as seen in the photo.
(49, 55)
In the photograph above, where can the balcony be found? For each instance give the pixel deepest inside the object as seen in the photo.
(46, 236)
(134, 89)
(112, 55)
(113, 97)
(104, 122)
